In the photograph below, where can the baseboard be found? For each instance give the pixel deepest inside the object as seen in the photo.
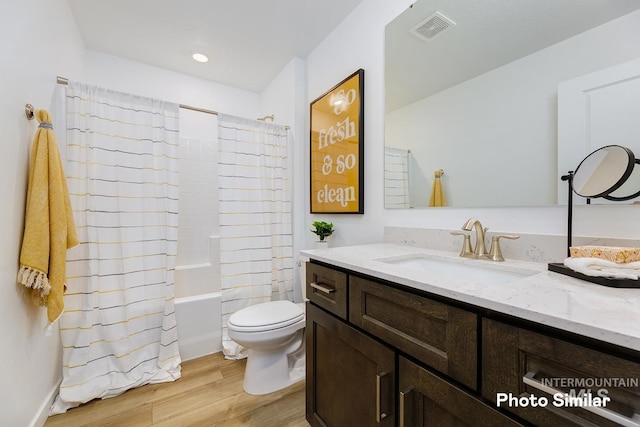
(43, 412)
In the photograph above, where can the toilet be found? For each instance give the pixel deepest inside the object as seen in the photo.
(273, 332)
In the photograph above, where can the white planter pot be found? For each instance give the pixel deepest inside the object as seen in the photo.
(322, 244)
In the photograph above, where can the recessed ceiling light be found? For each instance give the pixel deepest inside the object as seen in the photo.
(200, 57)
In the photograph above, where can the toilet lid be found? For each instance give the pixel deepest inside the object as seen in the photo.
(266, 316)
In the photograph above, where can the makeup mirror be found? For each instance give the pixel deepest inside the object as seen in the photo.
(601, 174)
(604, 171)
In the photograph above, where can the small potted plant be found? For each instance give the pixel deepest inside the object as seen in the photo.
(323, 230)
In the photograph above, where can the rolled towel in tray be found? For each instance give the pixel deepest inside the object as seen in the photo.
(598, 267)
(616, 254)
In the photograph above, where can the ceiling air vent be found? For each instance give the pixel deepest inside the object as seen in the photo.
(432, 26)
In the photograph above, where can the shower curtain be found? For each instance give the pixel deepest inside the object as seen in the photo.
(118, 330)
(396, 177)
(256, 245)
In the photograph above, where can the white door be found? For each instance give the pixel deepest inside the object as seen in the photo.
(601, 108)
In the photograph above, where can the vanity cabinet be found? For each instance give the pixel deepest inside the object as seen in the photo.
(352, 356)
(533, 365)
(383, 354)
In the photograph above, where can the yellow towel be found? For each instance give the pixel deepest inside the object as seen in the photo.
(437, 192)
(49, 229)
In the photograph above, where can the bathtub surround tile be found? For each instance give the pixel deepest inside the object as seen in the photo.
(195, 279)
(197, 265)
(543, 248)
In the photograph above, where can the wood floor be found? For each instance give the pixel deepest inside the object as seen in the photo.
(208, 394)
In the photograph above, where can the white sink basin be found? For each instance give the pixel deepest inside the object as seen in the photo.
(476, 271)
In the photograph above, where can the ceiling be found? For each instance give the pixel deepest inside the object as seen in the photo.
(248, 42)
(486, 35)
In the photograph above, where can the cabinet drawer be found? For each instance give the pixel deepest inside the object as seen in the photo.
(520, 362)
(327, 288)
(424, 399)
(437, 334)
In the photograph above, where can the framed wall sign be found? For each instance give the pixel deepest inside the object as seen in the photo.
(337, 148)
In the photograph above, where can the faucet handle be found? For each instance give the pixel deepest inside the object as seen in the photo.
(466, 251)
(495, 253)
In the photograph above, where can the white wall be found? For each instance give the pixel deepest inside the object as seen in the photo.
(359, 43)
(133, 77)
(39, 41)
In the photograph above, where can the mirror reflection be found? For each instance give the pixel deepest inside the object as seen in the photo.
(603, 172)
(479, 99)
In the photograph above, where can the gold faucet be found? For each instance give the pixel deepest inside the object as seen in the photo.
(466, 251)
(495, 253)
(480, 250)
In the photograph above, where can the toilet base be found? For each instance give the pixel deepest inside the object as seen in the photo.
(269, 371)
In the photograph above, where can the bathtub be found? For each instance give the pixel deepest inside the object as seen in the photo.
(199, 320)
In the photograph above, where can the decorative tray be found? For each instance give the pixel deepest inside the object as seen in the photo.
(558, 267)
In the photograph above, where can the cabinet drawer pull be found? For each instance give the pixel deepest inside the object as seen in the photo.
(321, 288)
(379, 414)
(529, 379)
(402, 408)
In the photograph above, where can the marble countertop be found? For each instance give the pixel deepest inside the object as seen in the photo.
(607, 314)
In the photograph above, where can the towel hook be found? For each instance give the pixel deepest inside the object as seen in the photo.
(29, 111)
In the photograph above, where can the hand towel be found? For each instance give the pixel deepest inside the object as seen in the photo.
(437, 192)
(604, 268)
(616, 254)
(49, 229)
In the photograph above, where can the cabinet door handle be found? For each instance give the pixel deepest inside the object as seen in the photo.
(321, 288)
(379, 414)
(402, 408)
(529, 379)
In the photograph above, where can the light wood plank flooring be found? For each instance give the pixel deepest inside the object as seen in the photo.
(208, 394)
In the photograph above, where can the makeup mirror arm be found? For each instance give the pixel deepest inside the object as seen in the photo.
(569, 177)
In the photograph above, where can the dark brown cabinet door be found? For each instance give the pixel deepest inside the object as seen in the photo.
(437, 334)
(532, 366)
(427, 400)
(350, 377)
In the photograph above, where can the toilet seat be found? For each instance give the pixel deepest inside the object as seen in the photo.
(266, 316)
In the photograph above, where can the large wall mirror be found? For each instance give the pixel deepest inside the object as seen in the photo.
(472, 88)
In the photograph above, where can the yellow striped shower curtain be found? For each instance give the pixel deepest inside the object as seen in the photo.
(118, 330)
(256, 243)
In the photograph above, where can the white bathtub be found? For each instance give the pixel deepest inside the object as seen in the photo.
(199, 320)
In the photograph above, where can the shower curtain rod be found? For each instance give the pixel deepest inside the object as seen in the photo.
(200, 110)
(65, 81)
